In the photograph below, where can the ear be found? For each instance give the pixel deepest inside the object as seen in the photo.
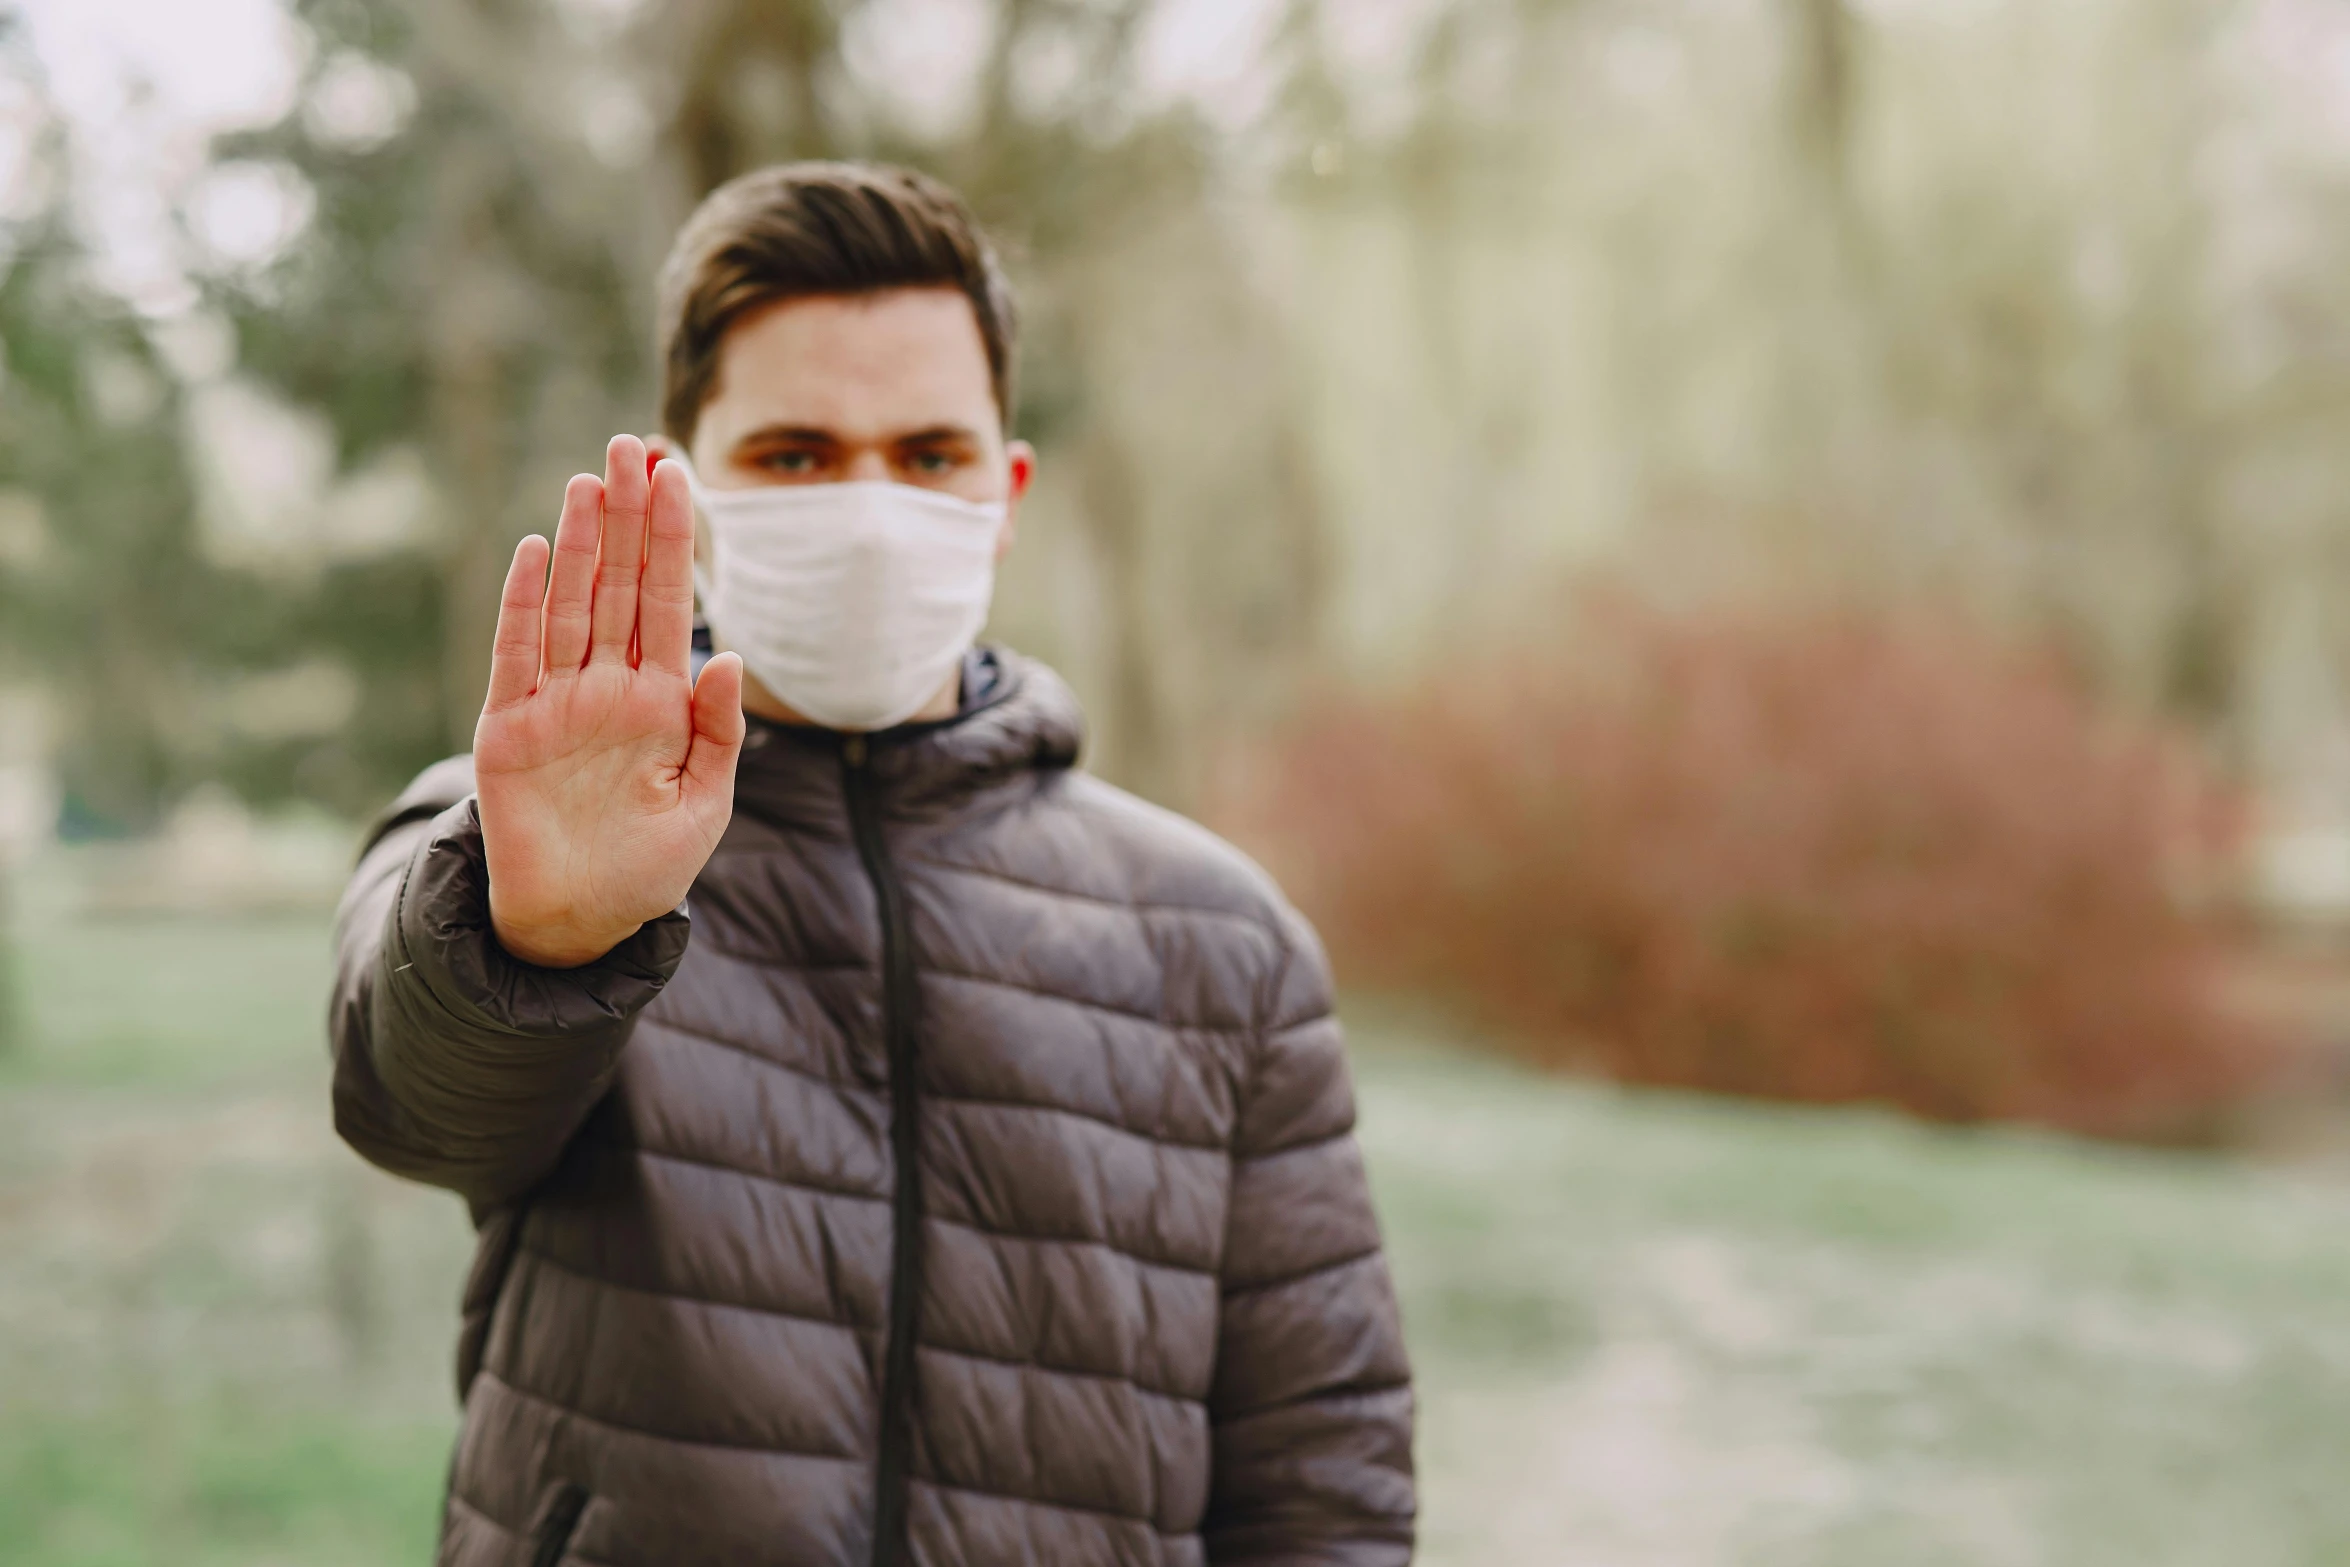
(1020, 462)
(658, 447)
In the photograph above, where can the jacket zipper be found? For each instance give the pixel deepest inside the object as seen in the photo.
(561, 1523)
(905, 1275)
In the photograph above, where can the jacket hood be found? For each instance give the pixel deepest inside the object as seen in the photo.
(1018, 717)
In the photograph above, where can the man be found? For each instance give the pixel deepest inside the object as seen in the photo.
(976, 1184)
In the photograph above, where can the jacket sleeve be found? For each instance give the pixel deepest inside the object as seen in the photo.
(1311, 1407)
(454, 1063)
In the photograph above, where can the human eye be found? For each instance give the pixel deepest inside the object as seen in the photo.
(932, 461)
(791, 461)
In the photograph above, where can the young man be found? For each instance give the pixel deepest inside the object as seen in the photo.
(976, 1184)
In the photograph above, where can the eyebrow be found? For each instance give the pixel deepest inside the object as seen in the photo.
(770, 433)
(816, 435)
(937, 434)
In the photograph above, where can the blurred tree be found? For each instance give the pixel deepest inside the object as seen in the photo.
(1786, 300)
(459, 292)
(747, 84)
(2075, 333)
(104, 591)
(475, 284)
(1775, 297)
(1822, 74)
(1149, 347)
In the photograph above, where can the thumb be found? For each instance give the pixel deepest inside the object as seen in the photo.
(719, 726)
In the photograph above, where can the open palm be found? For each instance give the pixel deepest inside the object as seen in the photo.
(605, 771)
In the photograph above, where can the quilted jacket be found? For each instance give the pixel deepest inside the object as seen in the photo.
(963, 1174)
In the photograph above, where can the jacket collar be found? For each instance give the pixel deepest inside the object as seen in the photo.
(1017, 717)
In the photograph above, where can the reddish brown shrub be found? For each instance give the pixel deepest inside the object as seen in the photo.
(1817, 859)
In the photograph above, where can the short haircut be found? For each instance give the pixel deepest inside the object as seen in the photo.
(795, 230)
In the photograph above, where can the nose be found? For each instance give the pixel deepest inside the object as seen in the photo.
(866, 465)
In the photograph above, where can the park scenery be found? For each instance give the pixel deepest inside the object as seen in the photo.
(1773, 577)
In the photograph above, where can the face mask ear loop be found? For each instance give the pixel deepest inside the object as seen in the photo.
(705, 577)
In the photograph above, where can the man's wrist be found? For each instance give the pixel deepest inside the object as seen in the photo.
(545, 944)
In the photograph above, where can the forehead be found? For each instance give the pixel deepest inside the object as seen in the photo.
(859, 364)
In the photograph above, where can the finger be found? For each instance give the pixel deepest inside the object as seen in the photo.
(620, 563)
(571, 587)
(665, 604)
(514, 655)
(719, 727)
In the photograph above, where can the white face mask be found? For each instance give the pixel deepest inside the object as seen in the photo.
(853, 603)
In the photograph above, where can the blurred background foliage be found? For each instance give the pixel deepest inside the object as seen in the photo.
(1837, 858)
(1797, 549)
(1360, 339)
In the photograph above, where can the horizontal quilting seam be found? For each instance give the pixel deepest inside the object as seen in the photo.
(795, 1183)
(703, 1036)
(1172, 1025)
(788, 829)
(1312, 1396)
(1087, 1241)
(1236, 1291)
(457, 1499)
(1130, 905)
(647, 1432)
(719, 1042)
(1050, 1505)
(1240, 1156)
(665, 1293)
(571, 1553)
(770, 964)
(941, 1096)
(985, 1358)
(1318, 1014)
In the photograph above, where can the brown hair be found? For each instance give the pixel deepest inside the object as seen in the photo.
(797, 229)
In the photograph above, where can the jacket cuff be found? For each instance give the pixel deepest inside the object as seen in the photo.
(441, 926)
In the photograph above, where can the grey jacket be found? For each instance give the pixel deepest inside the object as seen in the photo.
(976, 1185)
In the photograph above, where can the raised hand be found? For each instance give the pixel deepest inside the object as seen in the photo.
(605, 771)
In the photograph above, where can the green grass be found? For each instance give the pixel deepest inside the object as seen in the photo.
(1681, 1331)
(169, 1002)
(221, 1483)
(1652, 1331)
(222, 1339)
